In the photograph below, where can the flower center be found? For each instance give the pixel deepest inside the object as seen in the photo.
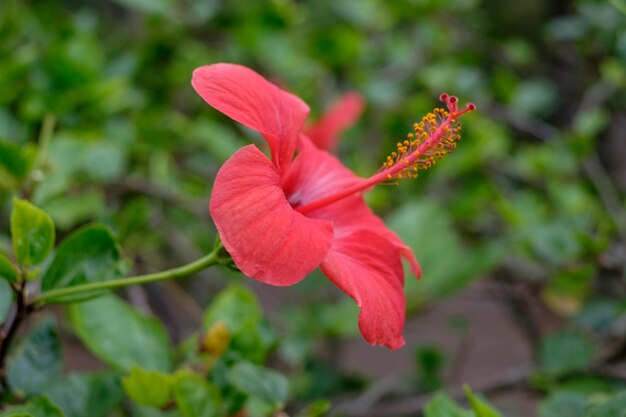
(433, 137)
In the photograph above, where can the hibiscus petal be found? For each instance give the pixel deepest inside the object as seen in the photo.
(315, 174)
(266, 238)
(341, 116)
(367, 267)
(352, 213)
(247, 97)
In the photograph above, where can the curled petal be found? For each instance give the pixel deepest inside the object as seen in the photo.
(341, 116)
(247, 97)
(367, 267)
(266, 238)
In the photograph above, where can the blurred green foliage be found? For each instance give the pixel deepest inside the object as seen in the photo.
(98, 123)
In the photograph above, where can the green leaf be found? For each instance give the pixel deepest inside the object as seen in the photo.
(36, 362)
(563, 403)
(33, 233)
(7, 269)
(565, 352)
(69, 211)
(238, 308)
(480, 407)
(35, 407)
(587, 384)
(599, 315)
(120, 336)
(591, 122)
(15, 160)
(338, 319)
(417, 219)
(93, 395)
(319, 408)
(196, 397)
(151, 388)
(157, 7)
(105, 161)
(536, 97)
(613, 407)
(90, 254)
(7, 181)
(233, 400)
(260, 382)
(143, 411)
(6, 298)
(430, 361)
(441, 405)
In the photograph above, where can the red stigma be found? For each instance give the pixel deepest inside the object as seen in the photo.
(452, 104)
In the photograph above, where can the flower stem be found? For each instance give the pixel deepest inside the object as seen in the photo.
(9, 330)
(174, 273)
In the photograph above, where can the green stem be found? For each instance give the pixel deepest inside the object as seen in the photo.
(174, 273)
(47, 129)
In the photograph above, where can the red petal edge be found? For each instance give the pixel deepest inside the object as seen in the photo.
(266, 238)
(341, 116)
(247, 97)
(367, 267)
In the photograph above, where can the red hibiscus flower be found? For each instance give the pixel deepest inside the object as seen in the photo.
(282, 217)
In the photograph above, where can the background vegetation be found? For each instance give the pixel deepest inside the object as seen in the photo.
(98, 123)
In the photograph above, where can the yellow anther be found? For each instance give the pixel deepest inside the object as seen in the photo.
(433, 137)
